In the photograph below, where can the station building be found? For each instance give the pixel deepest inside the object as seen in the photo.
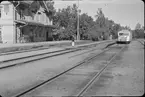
(25, 21)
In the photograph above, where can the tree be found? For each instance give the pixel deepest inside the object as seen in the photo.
(139, 31)
(67, 18)
(115, 30)
(104, 25)
(50, 6)
(100, 19)
(100, 29)
(86, 22)
(138, 26)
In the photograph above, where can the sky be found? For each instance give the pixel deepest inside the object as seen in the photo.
(124, 12)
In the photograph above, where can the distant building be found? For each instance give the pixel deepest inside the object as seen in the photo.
(25, 21)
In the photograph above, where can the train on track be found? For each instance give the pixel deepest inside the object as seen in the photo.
(124, 36)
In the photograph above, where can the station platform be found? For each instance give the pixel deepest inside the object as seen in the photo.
(23, 54)
(31, 44)
(26, 46)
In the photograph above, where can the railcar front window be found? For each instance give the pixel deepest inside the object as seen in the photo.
(120, 33)
(123, 34)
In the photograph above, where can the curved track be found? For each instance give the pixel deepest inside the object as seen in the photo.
(142, 42)
(31, 58)
(22, 51)
(113, 55)
(37, 48)
(97, 75)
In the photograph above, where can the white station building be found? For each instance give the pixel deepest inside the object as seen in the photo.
(25, 21)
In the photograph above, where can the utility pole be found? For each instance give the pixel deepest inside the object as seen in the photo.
(78, 34)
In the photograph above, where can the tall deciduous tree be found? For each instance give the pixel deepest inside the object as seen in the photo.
(100, 19)
(86, 22)
(103, 25)
(138, 26)
(139, 31)
(100, 29)
(67, 18)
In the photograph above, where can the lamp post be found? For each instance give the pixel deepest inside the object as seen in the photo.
(78, 34)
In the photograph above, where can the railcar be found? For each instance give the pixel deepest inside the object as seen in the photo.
(124, 36)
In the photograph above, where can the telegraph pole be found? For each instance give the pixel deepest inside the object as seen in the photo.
(78, 34)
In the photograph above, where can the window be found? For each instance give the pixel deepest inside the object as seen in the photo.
(123, 33)
(0, 11)
(126, 34)
(42, 17)
(120, 33)
(6, 8)
(37, 17)
(21, 14)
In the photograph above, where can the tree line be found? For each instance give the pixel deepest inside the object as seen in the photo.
(138, 32)
(99, 29)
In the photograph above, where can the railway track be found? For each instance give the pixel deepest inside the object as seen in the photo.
(55, 79)
(36, 48)
(22, 51)
(142, 42)
(97, 75)
(31, 58)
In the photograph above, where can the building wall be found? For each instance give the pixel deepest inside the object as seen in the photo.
(30, 33)
(7, 23)
(39, 17)
(34, 34)
(0, 35)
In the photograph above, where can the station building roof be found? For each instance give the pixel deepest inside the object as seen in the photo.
(34, 23)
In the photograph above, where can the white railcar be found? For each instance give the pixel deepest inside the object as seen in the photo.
(124, 36)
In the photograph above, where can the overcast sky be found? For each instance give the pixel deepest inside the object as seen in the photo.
(125, 12)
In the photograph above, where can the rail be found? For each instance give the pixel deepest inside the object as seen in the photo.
(22, 93)
(97, 75)
(41, 46)
(141, 42)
